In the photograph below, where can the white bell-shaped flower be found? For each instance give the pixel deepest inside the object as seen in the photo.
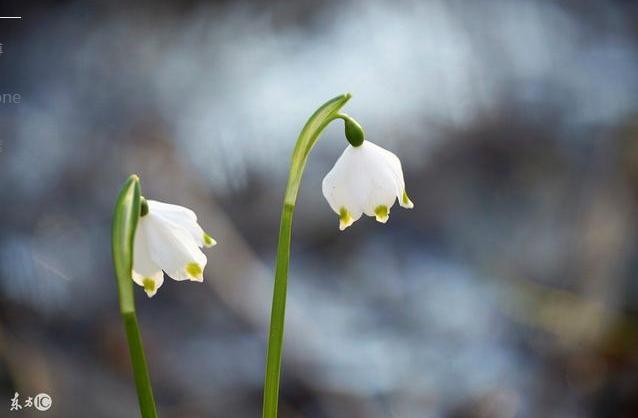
(168, 238)
(365, 179)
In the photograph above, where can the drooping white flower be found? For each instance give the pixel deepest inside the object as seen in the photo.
(168, 238)
(365, 179)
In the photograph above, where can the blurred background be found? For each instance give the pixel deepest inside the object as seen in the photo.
(508, 291)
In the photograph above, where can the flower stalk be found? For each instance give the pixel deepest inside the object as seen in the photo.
(306, 140)
(125, 219)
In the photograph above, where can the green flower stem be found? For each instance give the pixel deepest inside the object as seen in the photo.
(125, 218)
(307, 139)
(140, 370)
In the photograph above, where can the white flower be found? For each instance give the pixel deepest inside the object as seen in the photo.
(365, 179)
(168, 238)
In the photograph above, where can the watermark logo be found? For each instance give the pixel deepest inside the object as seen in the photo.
(41, 402)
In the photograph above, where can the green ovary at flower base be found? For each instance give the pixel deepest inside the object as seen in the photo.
(148, 237)
(365, 179)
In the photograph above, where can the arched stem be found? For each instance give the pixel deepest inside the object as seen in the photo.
(307, 139)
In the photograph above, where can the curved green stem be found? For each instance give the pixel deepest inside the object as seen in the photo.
(125, 218)
(307, 139)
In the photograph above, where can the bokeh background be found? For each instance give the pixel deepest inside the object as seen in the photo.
(508, 291)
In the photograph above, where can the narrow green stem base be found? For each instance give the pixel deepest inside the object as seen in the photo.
(277, 315)
(140, 370)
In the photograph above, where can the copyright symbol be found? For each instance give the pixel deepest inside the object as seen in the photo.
(42, 402)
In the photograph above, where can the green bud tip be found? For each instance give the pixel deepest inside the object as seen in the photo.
(354, 131)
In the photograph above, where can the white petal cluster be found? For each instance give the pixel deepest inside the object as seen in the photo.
(365, 179)
(168, 238)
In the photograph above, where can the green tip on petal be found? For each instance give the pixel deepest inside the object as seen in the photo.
(195, 271)
(382, 213)
(345, 220)
(149, 286)
(406, 202)
(209, 241)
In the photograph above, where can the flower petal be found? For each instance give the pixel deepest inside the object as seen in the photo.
(365, 179)
(167, 208)
(209, 241)
(337, 187)
(395, 165)
(377, 185)
(382, 213)
(346, 219)
(405, 201)
(174, 248)
(145, 272)
(184, 218)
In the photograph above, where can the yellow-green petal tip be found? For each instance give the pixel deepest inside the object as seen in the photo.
(406, 202)
(195, 271)
(345, 220)
(382, 213)
(209, 241)
(149, 286)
